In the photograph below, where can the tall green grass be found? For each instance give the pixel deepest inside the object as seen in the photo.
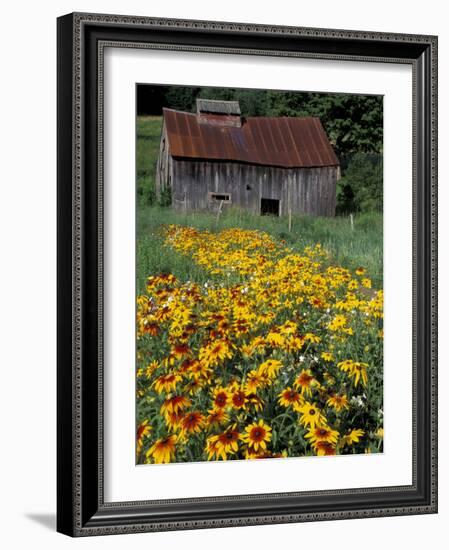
(147, 145)
(350, 247)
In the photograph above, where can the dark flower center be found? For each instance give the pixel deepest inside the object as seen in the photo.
(238, 399)
(221, 399)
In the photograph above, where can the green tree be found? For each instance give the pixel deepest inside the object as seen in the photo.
(361, 187)
(181, 98)
(354, 123)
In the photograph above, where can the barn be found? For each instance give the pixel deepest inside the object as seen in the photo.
(216, 158)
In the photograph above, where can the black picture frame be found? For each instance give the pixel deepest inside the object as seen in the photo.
(81, 510)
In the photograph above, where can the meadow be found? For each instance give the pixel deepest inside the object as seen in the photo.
(350, 247)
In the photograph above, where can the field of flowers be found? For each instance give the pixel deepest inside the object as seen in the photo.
(275, 354)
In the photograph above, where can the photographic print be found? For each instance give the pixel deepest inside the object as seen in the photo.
(259, 261)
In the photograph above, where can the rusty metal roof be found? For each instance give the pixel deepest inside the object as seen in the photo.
(290, 142)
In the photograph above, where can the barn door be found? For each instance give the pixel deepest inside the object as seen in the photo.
(269, 207)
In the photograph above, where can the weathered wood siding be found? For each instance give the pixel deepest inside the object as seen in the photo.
(303, 190)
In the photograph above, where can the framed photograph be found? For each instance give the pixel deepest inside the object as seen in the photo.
(247, 281)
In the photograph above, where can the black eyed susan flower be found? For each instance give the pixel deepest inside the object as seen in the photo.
(366, 283)
(270, 368)
(338, 401)
(312, 338)
(150, 327)
(257, 435)
(255, 380)
(305, 381)
(220, 397)
(213, 450)
(241, 326)
(321, 433)
(151, 367)
(163, 450)
(143, 430)
(294, 343)
(290, 398)
(250, 454)
(275, 339)
(254, 401)
(199, 371)
(339, 322)
(379, 433)
(192, 422)
(359, 372)
(193, 387)
(310, 415)
(175, 404)
(173, 421)
(356, 370)
(288, 328)
(167, 382)
(223, 444)
(238, 398)
(187, 365)
(325, 448)
(353, 436)
(353, 285)
(215, 352)
(228, 440)
(179, 351)
(217, 417)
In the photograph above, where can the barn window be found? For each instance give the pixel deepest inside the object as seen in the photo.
(225, 197)
(269, 207)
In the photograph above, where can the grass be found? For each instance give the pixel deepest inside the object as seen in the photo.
(351, 248)
(148, 140)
